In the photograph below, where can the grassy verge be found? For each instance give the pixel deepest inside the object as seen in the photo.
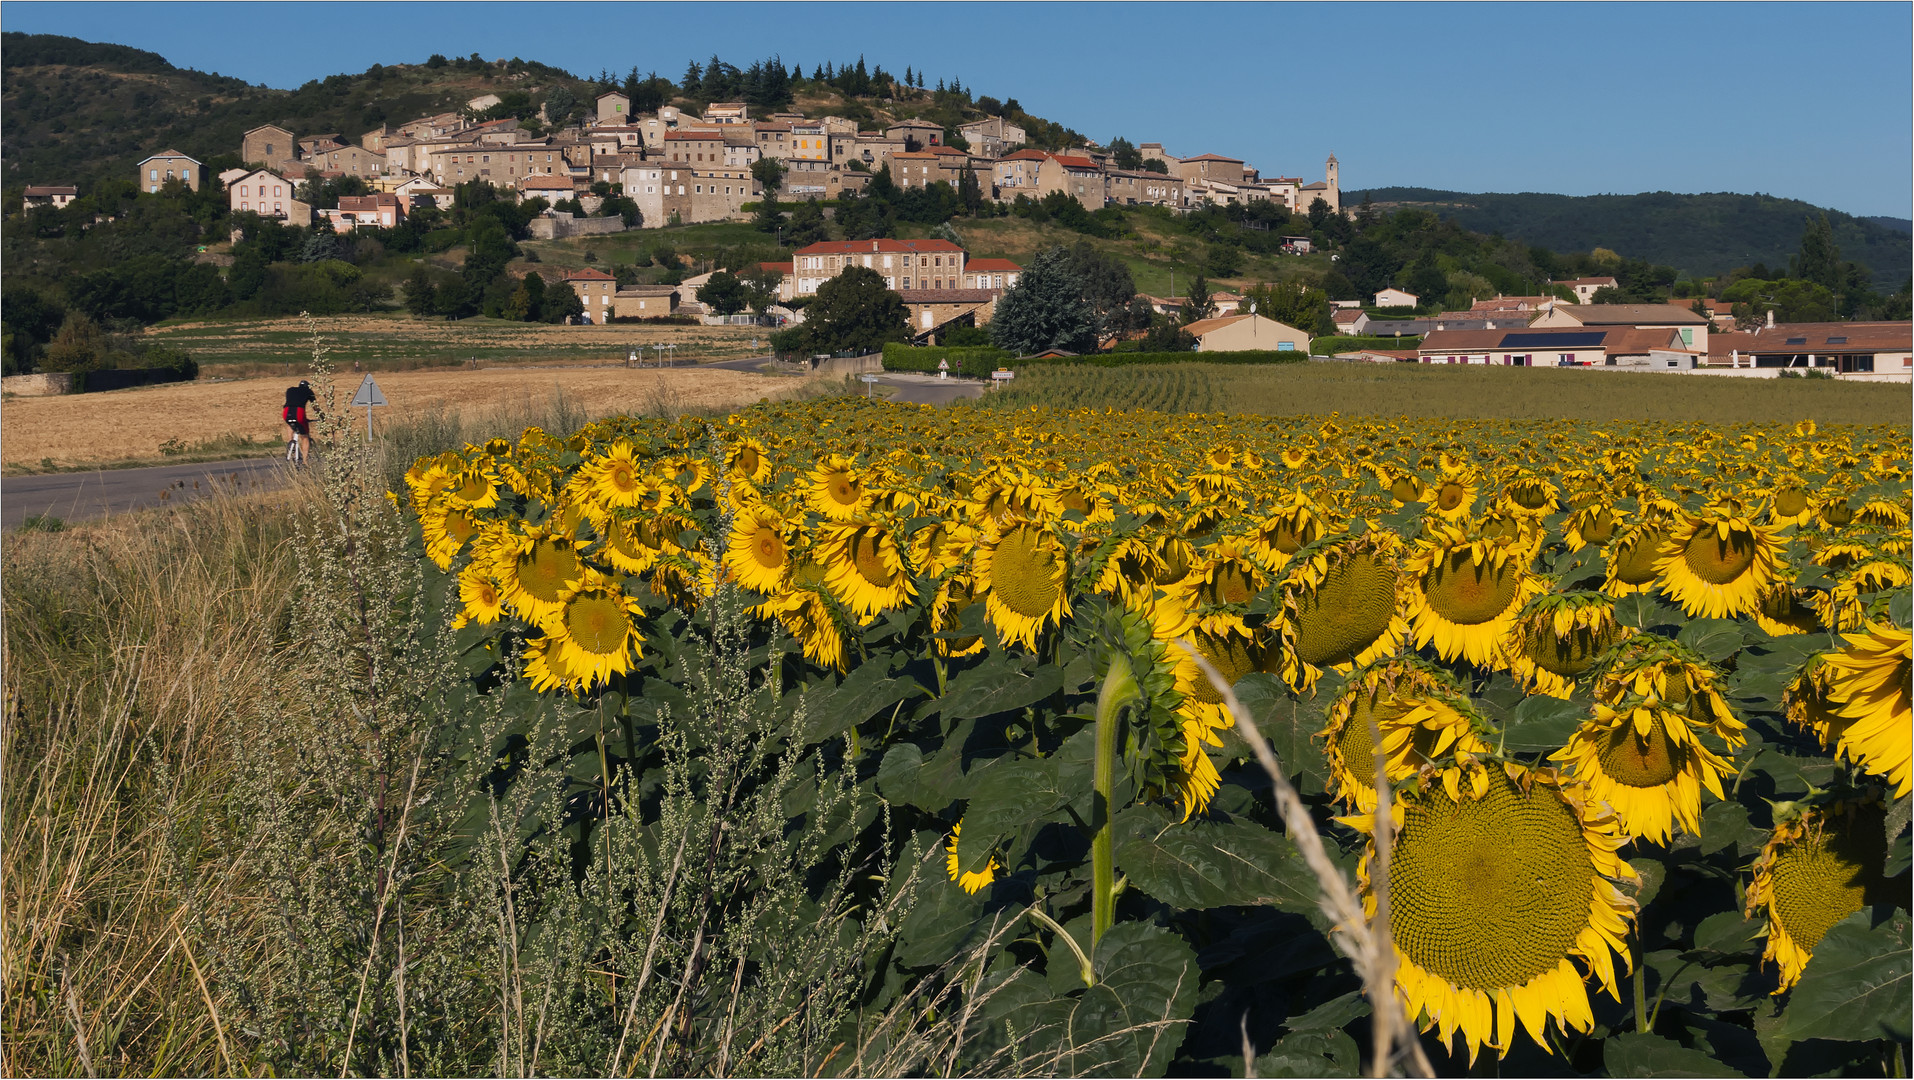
(1457, 392)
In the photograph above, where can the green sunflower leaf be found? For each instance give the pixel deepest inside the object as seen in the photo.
(1205, 864)
(1716, 639)
(1856, 988)
(1639, 1053)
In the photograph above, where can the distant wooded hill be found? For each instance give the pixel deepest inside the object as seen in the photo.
(1700, 234)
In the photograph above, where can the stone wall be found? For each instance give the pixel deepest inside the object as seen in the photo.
(557, 228)
(42, 384)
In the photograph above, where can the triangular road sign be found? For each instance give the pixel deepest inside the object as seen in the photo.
(368, 394)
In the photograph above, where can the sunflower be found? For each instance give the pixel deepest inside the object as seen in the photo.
(1026, 569)
(474, 487)
(1665, 674)
(759, 552)
(1717, 567)
(1632, 556)
(446, 527)
(837, 489)
(1293, 524)
(534, 571)
(1789, 502)
(1782, 609)
(1844, 607)
(1495, 899)
(1868, 690)
(593, 637)
(479, 594)
(1340, 606)
(941, 546)
(614, 479)
(863, 568)
(1220, 586)
(806, 616)
(749, 461)
(1452, 496)
(1814, 871)
(1592, 525)
(1557, 637)
(947, 605)
(1882, 514)
(968, 880)
(1644, 760)
(1200, 712)
(1464, 594)
(1531, 495)
(1420, 716)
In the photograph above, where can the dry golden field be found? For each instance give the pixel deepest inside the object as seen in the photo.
(131, 425)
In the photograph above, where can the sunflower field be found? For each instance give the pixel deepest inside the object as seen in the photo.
(1635, 696)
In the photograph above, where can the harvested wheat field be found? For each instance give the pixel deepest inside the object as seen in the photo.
(131, 425)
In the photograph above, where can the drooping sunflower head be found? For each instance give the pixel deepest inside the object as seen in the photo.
(1340, 605)
(1417, 711)
(1499, 897)
(749, 460)
(1531, 494)
(1631, 557)
(1847, 606)
(1464, 593)
(1868, 687)
(1558, 637)
(1814, 871)
(1646, 762)
(1717, 566)
(955, 594)
(980, 871)
(1592, 525)
(1294, 524)
(1789, 500)
(474, 486)
(1782, 609)
(1660, 673)
(1220, 585)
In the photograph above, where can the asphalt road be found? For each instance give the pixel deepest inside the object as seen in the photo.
(72, 496)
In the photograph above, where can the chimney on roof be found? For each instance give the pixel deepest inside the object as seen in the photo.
(873, 245)
(1771, 318)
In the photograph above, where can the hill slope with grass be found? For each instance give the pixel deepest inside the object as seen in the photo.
(1702, 235)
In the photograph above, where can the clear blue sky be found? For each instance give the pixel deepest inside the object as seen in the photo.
(1809, 101)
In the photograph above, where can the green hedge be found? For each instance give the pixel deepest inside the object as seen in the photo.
(976, 362)
(1330, 346)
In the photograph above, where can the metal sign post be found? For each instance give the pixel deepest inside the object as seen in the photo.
(368, 395)
(869, 381)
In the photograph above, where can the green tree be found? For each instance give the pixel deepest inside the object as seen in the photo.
(852, 312)
(1125, 154)
(560, 305)
(421, 296)
(970, 193)
(1197, 306)
(528, 300)
(761, 287)
(723, 293)
(1106, 284)
(1819, 260)
(769, 173)
(807, 225)
(1046, 309)
(79, 345)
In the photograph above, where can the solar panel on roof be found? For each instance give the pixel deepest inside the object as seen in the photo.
(1545, 339)
(1796, 341)
(1837, 341)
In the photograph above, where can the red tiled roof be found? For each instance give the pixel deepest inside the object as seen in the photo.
(706, 135)
(946, 150)
(57, 189)
(589, 274)
(879, 247)
(780, 267)
(546, 182)
(1073, 162)
(1026, 155)
(992, 266)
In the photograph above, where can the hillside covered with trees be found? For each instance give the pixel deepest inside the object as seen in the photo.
(1700, 235)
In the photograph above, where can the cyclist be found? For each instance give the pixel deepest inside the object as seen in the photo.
(298, 425)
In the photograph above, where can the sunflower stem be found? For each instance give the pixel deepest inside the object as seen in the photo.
(1641, 996)
(1118, 689)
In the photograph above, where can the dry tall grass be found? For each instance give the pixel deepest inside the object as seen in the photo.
(133, 651)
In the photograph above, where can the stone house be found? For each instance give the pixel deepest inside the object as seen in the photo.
(698, 149)
(550, 188)
(727, 113)
(383, 211)
(267, 194)
(933, 311)
(270, 147)
(1229, 170)
(54, 195)
(613, 108)
(921, 132)
(327, 154)
(996, 274)
(992, 137)
(644, 301)
(595, 290)
(904, 264)
(166, 165)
